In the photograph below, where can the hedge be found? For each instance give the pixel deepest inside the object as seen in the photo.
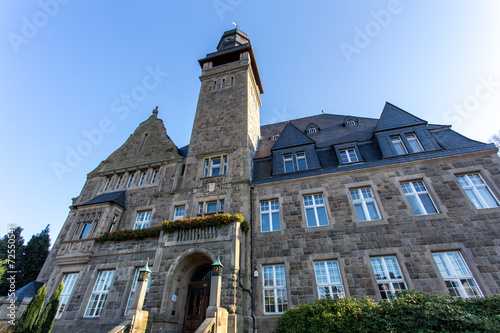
(409, 312)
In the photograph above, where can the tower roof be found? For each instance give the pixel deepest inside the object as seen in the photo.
(231, 45)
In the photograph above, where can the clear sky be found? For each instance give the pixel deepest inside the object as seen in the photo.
(67, 67)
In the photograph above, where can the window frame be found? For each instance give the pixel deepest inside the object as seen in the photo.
(276, 290)
(293, 161)
(142, 180)
(411, 138)
(144, 222)
(203, 205)
(118, 182)
(269, 212)
(364, 203)
(66, 292)
(99, 294)
(130, 180)
(315, 207)
(176, 208)
(208, 165)
(388, 280)
(330, 284)
(454, 277)
(401, 143)
(416, 194)
(154, 177)
(474, 187)
(348, 156)
(106, 185)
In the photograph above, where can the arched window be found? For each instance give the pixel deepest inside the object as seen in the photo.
(312, 130)
(275, 137)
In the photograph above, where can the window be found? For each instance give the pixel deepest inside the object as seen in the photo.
(301, 161)
(215, 166)
(270, 215)
(143, 178)
(99, 293)
(300, 158)
(275, 137)
(275, 297)
(132, 290)
(223, 83)
(154, 178)
(348, 156)
(69, 282)
(364, 204)
(477, 191)
(232, 81)
(413, 142)
(312, 130)
(86, 223)
(328, 279)
(144, 141)
(142, 220)
(179, 212)
(388, 275)
(130, 180)
(118, 182)
(288, 160)
(106, 186)
(419, 199)
(398, 145)
(457, 275)
(214, 85)
(211, 207)
(350, 123)
(315, 210)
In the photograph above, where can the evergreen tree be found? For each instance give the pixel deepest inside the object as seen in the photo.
(28, 319)
(35, 254)
(16, 249)
(46, 320)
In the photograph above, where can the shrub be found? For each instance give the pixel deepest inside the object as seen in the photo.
(409, 312)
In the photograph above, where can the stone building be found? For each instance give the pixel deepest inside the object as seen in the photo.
(337, 205)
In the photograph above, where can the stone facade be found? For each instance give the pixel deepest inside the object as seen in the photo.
(234, 165)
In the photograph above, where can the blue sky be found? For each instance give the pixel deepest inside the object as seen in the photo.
(66, 68)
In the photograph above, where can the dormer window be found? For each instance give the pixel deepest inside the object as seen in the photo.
(275, 137)
(348, 156)
(350, 121)
(415, 145)
(398, 145)
(312, 130)
(295, 162)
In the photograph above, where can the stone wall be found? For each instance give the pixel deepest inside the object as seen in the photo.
(412, 239)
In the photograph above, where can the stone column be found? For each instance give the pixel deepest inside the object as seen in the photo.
(138, 317)
(214, 310)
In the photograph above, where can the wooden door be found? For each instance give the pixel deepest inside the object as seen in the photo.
(196, 305)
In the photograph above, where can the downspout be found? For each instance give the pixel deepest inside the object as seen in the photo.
(252, 262)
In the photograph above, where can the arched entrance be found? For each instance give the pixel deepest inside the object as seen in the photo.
(198, 297)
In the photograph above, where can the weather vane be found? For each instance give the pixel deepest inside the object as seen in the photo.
(235, 24)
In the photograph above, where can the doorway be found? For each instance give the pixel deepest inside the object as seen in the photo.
(198, 297)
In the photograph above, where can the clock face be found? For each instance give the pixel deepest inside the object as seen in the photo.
(229, 38)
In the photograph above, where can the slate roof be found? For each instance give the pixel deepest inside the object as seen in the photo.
(28, 290)
(393, 117)
(333, 132)
(117, 197)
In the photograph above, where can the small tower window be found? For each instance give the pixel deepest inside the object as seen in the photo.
(214, 85)
(223, 83)
(232, 81)
(144, 141)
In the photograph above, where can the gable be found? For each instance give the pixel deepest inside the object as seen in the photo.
(393, 117)
(291, 137)
(148, 144)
